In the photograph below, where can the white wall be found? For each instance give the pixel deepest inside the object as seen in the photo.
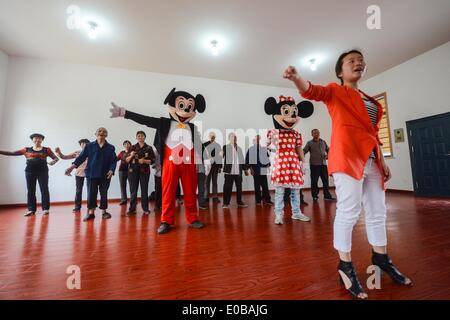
(3, 77)
(67, 102)
(417, 88)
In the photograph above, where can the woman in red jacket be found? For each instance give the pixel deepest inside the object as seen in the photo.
(356, 163)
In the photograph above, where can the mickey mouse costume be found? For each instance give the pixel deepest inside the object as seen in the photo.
(178, 142)
(286, 170)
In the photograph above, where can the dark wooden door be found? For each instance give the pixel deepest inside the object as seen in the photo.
(429, 146)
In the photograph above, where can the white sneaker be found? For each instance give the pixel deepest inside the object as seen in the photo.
(278, 220)
(301, 217)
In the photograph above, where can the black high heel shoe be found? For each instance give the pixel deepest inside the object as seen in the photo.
(384, 262)
(349, 279)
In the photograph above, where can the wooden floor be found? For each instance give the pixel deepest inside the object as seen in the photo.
(241, 254)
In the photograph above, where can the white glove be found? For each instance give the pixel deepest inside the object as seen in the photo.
(116, 111)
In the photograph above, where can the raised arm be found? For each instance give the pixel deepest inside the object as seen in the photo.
(20, 152)
(119, 112)
(306, 88)
(291, 74)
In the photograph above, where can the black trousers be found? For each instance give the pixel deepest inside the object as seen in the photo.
(158, 192)
(41, 178)
(201, 180)
(287, 195)
(79, 183)
(261, 188)
(137, 178)
(123, 178)
(322, 172)
(228, 188)
(212, 179)
(97, 185)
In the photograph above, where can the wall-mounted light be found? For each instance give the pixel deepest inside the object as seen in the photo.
(214, 47)
(92, 29)
(313, 64)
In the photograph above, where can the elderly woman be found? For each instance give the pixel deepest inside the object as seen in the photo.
(36, 170)
(80, 175)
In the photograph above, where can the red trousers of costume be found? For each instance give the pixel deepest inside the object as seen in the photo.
(179, 164)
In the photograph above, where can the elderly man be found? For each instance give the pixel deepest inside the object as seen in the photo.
(318, 149)
(212, 148)
(99, 171)
(233, 165)
(258, 162)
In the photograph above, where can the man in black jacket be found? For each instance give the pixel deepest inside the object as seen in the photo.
(213, 150)
(258, 162)
(233, 165)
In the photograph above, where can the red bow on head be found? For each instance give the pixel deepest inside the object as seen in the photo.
(283, 99)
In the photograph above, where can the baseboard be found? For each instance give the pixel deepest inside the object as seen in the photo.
(400, 191)
(115, 200)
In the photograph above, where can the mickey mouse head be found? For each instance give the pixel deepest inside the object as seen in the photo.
(183, 106)
(285, 112)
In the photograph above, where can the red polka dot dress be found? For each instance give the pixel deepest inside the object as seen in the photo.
(286, 169)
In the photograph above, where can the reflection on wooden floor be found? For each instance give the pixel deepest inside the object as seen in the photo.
(241, 254)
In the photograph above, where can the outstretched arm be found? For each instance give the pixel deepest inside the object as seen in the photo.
(119, 112)
(306, 89)
(20, 152)
(291, 74)
(69, 156)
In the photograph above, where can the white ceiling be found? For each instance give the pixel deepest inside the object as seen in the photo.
(263, 36)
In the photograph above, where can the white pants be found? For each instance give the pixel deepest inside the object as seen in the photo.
(350, 194)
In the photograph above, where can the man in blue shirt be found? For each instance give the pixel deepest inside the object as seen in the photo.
(100, 168)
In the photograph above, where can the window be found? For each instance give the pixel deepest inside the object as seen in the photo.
(385, 131)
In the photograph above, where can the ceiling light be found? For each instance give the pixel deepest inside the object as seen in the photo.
(313, 65)
(92, 29)
(214, 47)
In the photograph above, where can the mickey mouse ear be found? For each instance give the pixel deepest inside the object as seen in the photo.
(169, 96)
(305, 109)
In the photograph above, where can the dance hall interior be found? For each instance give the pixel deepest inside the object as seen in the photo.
(224, 150)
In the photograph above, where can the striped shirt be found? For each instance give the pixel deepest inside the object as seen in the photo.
(36, 160)
(372, 110)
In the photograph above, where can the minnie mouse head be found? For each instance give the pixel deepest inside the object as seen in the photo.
(183, 106)
(285, 112)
